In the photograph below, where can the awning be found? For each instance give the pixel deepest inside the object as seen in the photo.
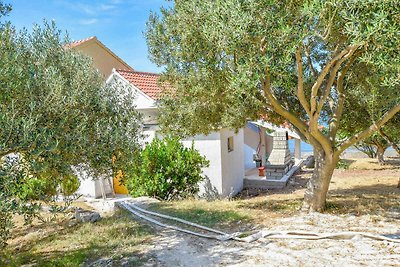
(274, 128)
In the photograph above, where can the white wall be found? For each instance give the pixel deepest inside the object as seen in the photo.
(210, 147)
(251, 141)
(91, 187)
(249, 163)
(232, 162)
(142, 101)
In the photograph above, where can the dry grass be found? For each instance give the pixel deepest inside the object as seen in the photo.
(391, 163)
(365, 188)
(68, 243)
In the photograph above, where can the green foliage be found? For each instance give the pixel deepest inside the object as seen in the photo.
(15, 195)
(303, 61)
(343, 164)
(213, 59)
(4, 9)
(167, 170)
(56, 114)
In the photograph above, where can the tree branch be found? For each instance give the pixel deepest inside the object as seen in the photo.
(390, 141)
(337, 114)
(369, 131)
(331, 79)
(316, 86)
(309, 63)
(277, 107)
(300, 83)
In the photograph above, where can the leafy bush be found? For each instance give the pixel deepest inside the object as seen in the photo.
(343, 164)
(22, 191)
(167, 170)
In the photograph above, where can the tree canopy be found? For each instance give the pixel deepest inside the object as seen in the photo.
(233, 60)
(56, 113)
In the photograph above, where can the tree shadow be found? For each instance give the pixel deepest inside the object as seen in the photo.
(375, 199)
(81, 244)
(390, 163)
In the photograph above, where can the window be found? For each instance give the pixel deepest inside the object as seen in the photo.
(230, 144)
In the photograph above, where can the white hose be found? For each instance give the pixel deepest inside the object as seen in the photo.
(261, 234)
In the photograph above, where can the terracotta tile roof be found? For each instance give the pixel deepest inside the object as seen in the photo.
(79, 42)
(145, 81)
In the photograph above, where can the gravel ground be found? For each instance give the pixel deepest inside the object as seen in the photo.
(178, 249)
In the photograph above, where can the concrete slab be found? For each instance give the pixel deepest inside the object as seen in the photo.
(106, 205)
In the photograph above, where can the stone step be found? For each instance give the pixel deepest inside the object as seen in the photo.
(263, 184)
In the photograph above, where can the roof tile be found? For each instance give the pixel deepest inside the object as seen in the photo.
(79, 42)
(145, 81)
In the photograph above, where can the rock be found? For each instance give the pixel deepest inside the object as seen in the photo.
(87, 216)
(103, 262)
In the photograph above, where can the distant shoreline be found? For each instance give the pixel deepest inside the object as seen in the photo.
(307, 149)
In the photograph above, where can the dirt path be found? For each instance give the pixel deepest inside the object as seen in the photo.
(176, 249)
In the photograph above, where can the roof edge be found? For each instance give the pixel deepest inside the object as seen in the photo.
(95, 39)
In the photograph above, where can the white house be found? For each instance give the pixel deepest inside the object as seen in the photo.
(224, 149)
(231, 154)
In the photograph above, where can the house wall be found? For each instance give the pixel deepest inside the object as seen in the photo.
(102, 59)
(251, 141)
(91, 187)
(210, 147)
(232, 162)
(142, 102)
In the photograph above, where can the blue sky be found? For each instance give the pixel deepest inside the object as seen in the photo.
(119, 24)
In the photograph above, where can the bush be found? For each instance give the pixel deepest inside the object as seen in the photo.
(343, 164)
(22, 191)
(167, 170)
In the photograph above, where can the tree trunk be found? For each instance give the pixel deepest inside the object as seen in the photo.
(379, 154)
(367, 149)
(317, 186)
(390, 141)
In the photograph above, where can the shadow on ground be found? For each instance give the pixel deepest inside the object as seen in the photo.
(378, 199)
(112, 241)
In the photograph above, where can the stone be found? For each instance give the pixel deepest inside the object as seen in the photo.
(87, 216)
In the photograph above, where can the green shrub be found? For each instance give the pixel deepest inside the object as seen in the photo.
(166, 169)
(343, 164)
(22, 191)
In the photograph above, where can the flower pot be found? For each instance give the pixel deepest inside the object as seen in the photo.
(261, 171)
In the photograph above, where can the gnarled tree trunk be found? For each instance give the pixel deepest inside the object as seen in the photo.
(317, 187)
(380, 154)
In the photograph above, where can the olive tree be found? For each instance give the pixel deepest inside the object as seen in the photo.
(365, 103)
(56, 112)
(233, 60)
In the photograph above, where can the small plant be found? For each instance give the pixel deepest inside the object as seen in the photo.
(343, 164)
(24, 188)
(167, 170)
